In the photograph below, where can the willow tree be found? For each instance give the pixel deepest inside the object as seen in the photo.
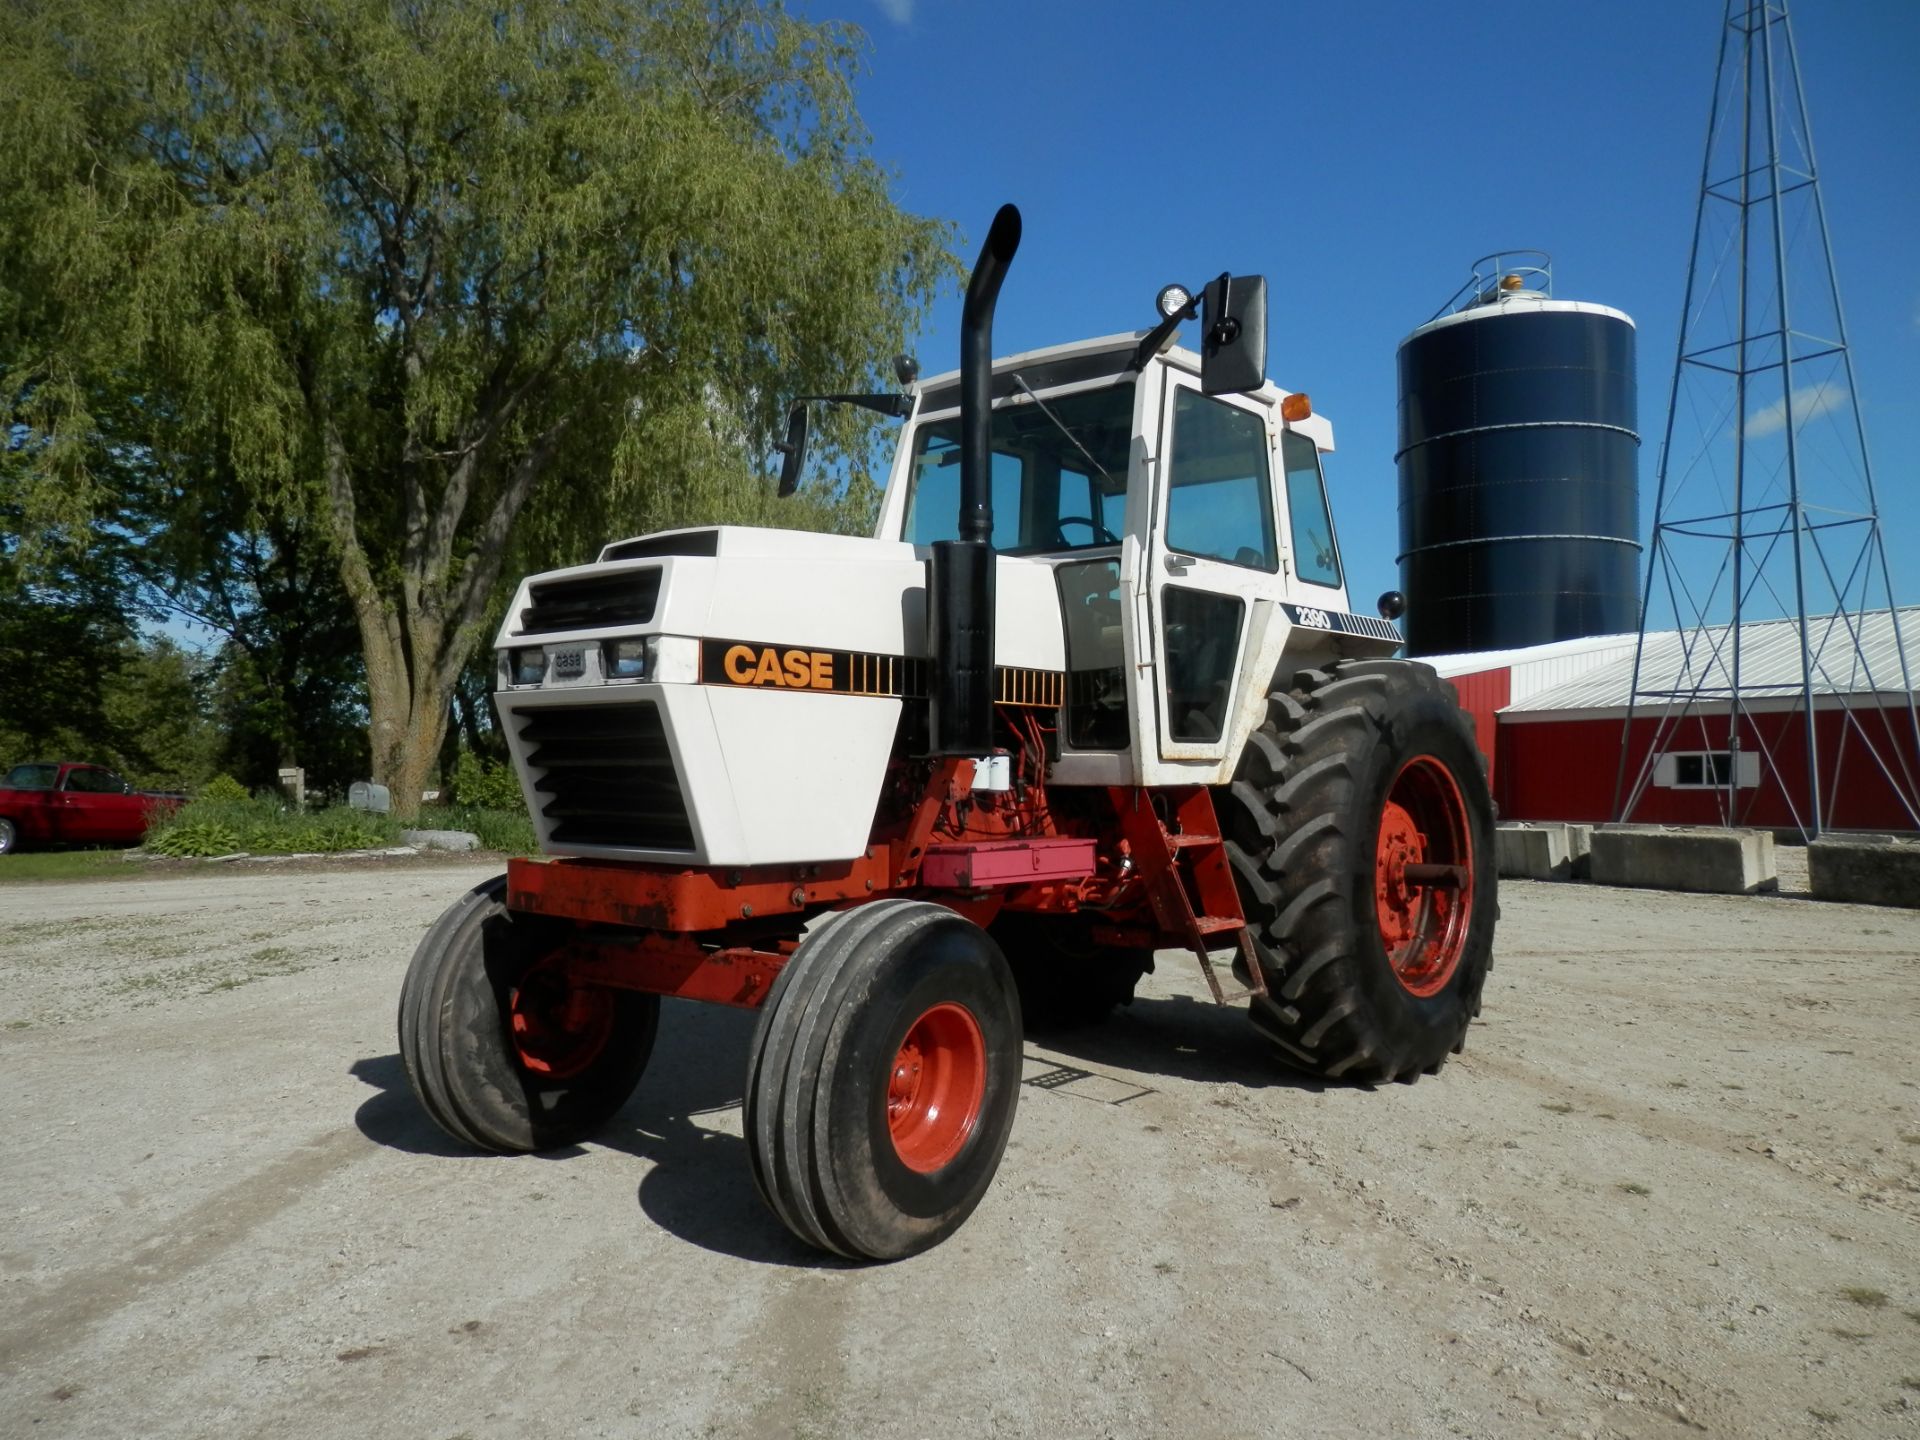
(456, 280)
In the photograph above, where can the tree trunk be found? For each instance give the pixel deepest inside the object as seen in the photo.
(417, 640)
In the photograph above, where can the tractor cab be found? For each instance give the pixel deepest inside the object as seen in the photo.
(1187, 534)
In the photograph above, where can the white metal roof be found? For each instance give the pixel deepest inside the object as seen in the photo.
(1683, 660)
(1539, 667)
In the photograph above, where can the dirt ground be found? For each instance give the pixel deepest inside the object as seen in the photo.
(1671, 1188)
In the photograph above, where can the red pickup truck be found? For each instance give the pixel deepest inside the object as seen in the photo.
(67, 804)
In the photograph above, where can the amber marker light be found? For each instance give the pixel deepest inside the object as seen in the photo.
(1295, 407)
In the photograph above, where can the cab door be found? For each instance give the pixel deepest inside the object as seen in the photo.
(1213, 560)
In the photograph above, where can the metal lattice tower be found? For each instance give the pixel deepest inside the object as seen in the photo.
(1766, 507)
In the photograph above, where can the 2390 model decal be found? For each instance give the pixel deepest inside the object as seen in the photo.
(1311, 617)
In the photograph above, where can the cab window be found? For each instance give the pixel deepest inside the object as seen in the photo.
(1219, 490)
(1055, 486)
(1315, 557)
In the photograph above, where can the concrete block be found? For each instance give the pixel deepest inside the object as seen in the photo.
(1580, 850)
(1527, 851)
(1865, 870)
(442, 839)
(1717, 862)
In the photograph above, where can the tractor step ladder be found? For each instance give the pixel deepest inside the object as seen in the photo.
(1189, 879)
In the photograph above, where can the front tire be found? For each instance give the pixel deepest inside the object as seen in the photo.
(1361, 836)
(883, 1078)
(9, 837)
(503, 1051)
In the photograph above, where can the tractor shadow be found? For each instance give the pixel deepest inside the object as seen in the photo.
(1178, 1037)
(698, 1185)
(392, 1118)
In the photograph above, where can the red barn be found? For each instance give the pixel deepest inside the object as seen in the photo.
(1552, 720)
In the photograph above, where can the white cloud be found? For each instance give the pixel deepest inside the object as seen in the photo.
(1808, 401)
(898, 11)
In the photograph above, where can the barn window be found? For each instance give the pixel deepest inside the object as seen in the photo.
(1707, 769)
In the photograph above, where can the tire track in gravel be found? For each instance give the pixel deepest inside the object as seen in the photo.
(39, 1324)
(1747, 1147)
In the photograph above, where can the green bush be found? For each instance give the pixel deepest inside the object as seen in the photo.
(478, 784)
(266, 826)
(192, 838)
(223, 787)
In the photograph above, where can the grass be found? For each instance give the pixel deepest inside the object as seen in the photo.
(1634, 1187)
(32, 865)
(1863, 1296)
(264, 826)
(508, 831)
(1558, 1107)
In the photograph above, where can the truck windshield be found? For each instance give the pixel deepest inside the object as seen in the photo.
(32, 777)
(1049, 493)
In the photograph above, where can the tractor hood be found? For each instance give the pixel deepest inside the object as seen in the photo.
(731, 696)
(779, 587)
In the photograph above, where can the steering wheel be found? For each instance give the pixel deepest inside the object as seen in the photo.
(1101, 535)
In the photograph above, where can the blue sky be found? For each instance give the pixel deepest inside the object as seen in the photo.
(1361, 156)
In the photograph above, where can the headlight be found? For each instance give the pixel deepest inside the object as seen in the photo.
(529, 666)
(628, 659)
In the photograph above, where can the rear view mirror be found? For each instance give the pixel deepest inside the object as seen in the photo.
(1233, 335)
(793, 450)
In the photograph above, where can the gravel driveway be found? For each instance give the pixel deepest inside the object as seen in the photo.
(1670, 1188)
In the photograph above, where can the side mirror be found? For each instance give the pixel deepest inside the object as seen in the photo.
(794, 450)
(1233, 335)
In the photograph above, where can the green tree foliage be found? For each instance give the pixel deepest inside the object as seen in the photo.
(65, 632)
(288, 681)
(77, 679)
(483, 784)
(463, 282)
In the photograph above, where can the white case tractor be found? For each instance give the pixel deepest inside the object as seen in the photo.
(1091, 692)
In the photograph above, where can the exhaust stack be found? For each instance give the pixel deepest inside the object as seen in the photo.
(960, 583)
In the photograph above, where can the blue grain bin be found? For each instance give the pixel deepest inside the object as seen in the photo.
(1519, 478)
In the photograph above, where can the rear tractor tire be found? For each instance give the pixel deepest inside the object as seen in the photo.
(1360, 831)
(503, 1051)
(1066, 981)
(882, 1079)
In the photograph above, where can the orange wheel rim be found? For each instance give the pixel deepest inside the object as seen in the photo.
(935, 1087)
(558, 1028)
(1423, 876)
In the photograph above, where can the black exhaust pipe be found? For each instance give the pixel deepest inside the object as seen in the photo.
(960, 585)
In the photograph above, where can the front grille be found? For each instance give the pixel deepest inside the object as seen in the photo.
(609, 777)
(626, 597)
